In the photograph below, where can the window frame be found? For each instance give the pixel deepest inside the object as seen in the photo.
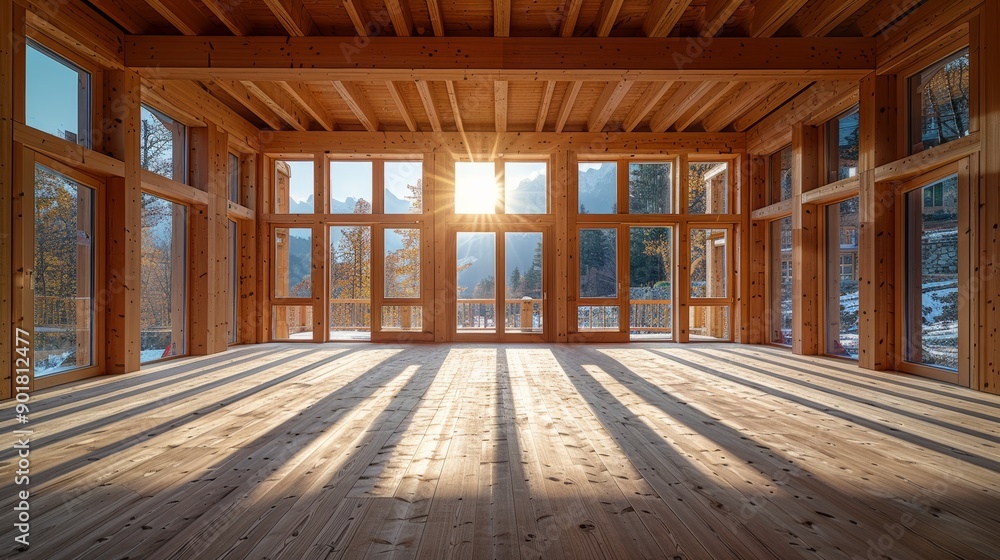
(774, 168)
(185, 148)
(909, 95)
(831, 155)
(87, 136)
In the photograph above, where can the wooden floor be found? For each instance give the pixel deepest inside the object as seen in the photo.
(509, 451)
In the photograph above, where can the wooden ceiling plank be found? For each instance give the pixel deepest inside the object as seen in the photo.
(231, 15)
(239, 92)
(771, 15)
(708, 102)
(358, 104)
(543, 107)
(293, 17)
(570, 17)
(607, 15)
(277, 101)
(500, 105)
(776, 98)
(455, 110)
(739, 103)
(124, 14)
(437, 21)
(715, 15)
(354, 10)
(683, 99)
(662, 16)
(424, 90)
(649, 99)
(404, 110)
(399, 14)
(607, 103)
(882, 14)
(183, 15)
(820, 20)
(501, 18)
(572, 90)
(300, 93)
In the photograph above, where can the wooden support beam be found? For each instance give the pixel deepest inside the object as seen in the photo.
(571, 14)
(607, 15)
(771, 15)
(437, 21)
(231, 15)
(293, 17)
(79, 28)
(272, 96)
(424, 90)
(649, 99)
(183, 15)
(250, 311)
(986, 374)
(803, 108)
(123, 222)
(404, 110)
(776, 98)
(359, 16)
(738, 103)
(543, 106)
(190, 99)
(501, 18)
(607, 103)
(455, 109)
(883, 14)
(500, 105)
(242, 95)
(821, 19)
(662, 16)
(358, 104)
(124, 14)
(714, 16)
(900, 45)
(305, 99)
(572, 90)
(11, 32)
(683, 99)
(399, 14)
(755, 323)
(806, 296)
(708, 103)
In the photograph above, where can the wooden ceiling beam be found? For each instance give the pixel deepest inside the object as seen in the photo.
(293, 17)
(239, 92)
(355, 10)
(183, 15)
(662, 16)
(771, 15)
(306, 100)
(820, 20)
(501, 18)
(424, 90)
(739, 102)
(570, 16)
(607, 103)
(493, 58)
(124, 14)
(399, 14)
(543, 107)
(776, 98)
(714, 16)
(649, 99)
(572, 90)
(358, 103)
(683, 99)
(437, 21)
(607, 15)
(706, 104)
(231, 15)
(882, 14)
(404, 110)
(279, 102)
(455, 109)
(500, 105)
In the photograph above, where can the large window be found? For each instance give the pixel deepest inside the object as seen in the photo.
(234, 178)
(781, 270)
(476, 282)
(598, 279)
(163, 289)
(651, 257)
(350, 282)
(932, 247)
(597, 187)
(708, 188)
(475, 187)
(294, 187)
(63, 273)
(649, 188)
(234, 281)
(162, 145)
(842, 279)
(525, 187)
(403, 189)
(351, 187)
(939, 102)
(57, 95)
(709, 263)
(402, 275)
(780, 175)
(843, 146)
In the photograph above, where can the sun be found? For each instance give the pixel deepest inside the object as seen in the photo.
(475, 188)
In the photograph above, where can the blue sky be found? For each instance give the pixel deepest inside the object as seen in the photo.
(51, 94)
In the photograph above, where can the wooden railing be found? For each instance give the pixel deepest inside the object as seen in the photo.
(650, 315)
(61, 313)
(480, 314)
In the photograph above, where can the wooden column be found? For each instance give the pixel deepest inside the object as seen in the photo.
(988, 370)
(559, 289)
(752, 242)
(805, 241)
(123, 211)
(443, 172)
(209, 259)
(250, 300)
(320, 279)
(7, 81)
(877, 225)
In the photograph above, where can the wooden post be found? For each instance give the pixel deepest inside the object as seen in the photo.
(320, 279)
(559, 325)
(876, 225)
(751, 244)
(250, 310)
(123, 210)
(7, 81)
(805, 237)
(988, 370)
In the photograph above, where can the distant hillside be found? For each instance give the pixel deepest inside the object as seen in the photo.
(597, 189)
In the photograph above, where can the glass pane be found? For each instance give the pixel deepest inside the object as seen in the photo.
(599, 263)
(57, 95)
(350, 187)
(844, 146)
(475, 282)
(525, 187)
(407, 318)
(649, 188)
(293, 187)
(781, 281)
(234, 281)
(524, 311)
(651, 257)
(163, 288)
(932, 275)
(291, 322)
(163, 145)
(939, 105)
(842, 279)
(597, 318)
(402, 263)
(404, 187)
(709, 322)
(292, 262)
(597, 187)
(708, 188)
(781, 175)
(475, 187)
(63, 274)
(234, 178)
(709, 263)
(350, 282)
